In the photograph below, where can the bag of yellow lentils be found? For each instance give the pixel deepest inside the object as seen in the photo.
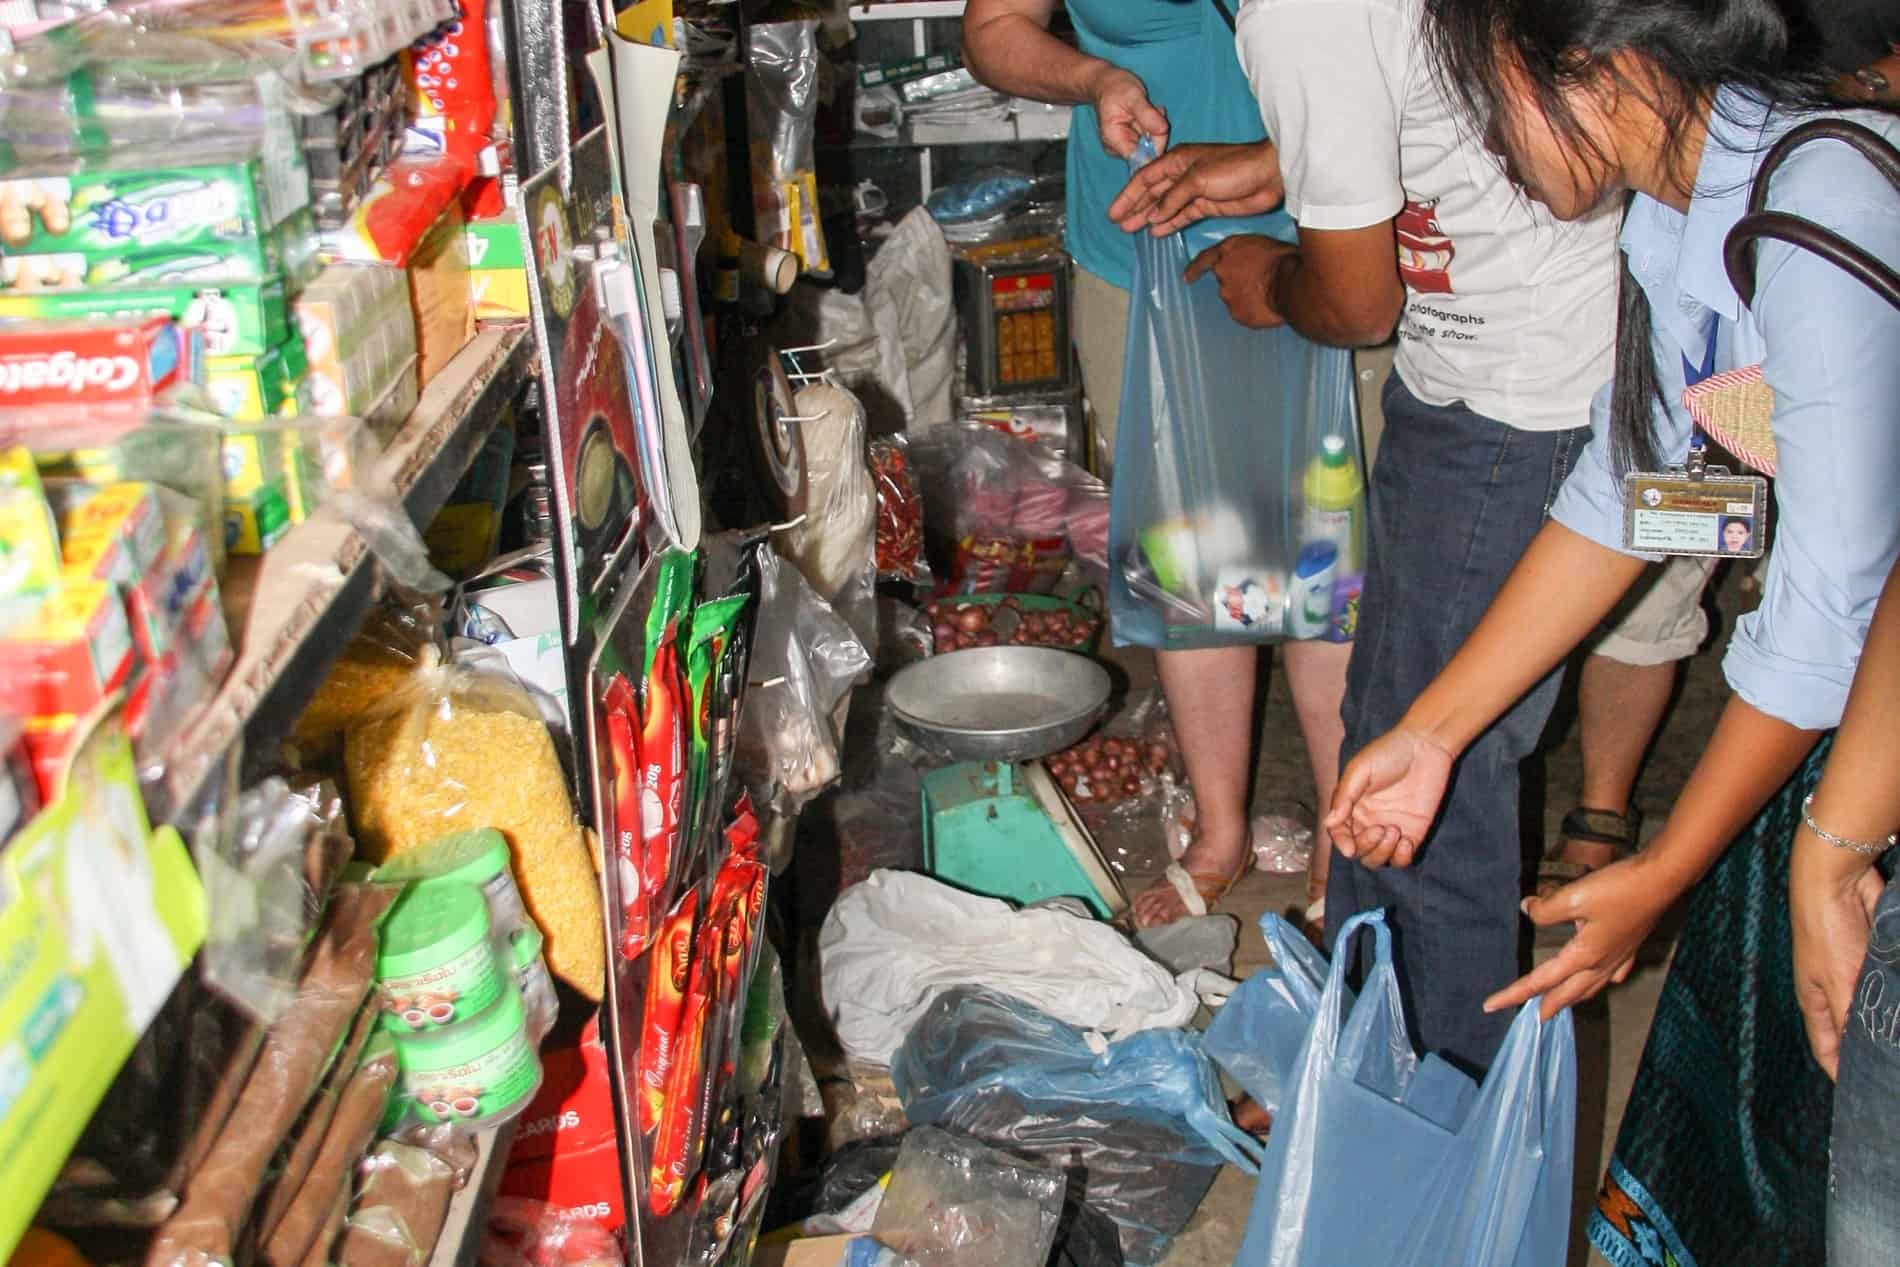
(455, 749)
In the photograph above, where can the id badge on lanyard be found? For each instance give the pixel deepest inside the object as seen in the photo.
(1696, 508)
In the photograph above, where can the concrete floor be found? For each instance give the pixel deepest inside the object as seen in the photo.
(1611, 1030)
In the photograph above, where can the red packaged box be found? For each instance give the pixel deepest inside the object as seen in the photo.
(565, 1150)
(68, 653)
(111, 361)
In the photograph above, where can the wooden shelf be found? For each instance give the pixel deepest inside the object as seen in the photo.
(292, 610)
(461, 1238)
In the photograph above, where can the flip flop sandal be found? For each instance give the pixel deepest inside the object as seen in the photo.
(1201, 893)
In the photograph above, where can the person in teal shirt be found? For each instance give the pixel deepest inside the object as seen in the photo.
(1165, 69)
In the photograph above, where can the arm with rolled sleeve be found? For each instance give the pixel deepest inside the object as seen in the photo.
(1833, 359)
(1329, 77)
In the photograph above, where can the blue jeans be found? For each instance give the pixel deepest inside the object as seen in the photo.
(1456, 498)
(1863, 1203)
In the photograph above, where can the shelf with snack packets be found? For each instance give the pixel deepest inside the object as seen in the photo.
(293, 607)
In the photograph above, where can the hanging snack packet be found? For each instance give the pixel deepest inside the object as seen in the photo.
(681, 1137)
(713, 625)
(662, 752)
(667, 979)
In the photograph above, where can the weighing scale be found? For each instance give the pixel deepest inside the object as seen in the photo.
(991, 825)
(1007, 830)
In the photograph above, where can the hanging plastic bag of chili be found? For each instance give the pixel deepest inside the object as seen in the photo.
(900, 513)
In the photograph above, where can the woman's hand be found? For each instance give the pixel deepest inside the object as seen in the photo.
(1199, 181)
(1388, 798)
(1831, 895)
(1614, 908)
(1123, 112)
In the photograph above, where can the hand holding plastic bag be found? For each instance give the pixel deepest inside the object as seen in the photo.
(1238, 511)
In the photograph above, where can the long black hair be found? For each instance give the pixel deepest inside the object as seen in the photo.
(1687, 49)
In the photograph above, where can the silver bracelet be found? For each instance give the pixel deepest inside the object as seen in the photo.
(1865, 848)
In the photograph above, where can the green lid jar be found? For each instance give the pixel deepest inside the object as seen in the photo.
(476, 1073)
(478, 857)
(434, 959)
(531, 975)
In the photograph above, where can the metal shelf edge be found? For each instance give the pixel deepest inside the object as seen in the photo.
(284, 653)
(905, 10)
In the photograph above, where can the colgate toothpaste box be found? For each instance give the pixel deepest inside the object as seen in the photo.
(565, 1150)
(110, 361)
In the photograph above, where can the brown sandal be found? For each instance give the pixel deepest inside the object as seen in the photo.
(1592, 827)
(1199, 893)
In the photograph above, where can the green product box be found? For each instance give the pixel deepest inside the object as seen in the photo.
(198, 221)
(495, 243)
(256, 521)
(237, 318)
(102, 914)
(258, 386)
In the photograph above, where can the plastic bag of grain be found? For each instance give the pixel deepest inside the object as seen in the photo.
(376, 662)
(455, 748)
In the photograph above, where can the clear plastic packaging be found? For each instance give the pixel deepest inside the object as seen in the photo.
(363, 1087)
(952, 1202)
(900, 513)
(402, 1197)
(1244, 522)
(255, 861)
(835, 545)
(782, 62)
(171, 450)
(456, 749)
(804, 664)
(209, 1224)
(1003, 514)
(527, 1233)
(1143, 1121)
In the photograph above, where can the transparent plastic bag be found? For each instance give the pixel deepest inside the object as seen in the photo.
(455, 749)
(1005, 514)
(526, 1233)
(402, 1197)
(95, 446)
(209, 1224)
(255, 863)
(1257, 1035)
(900, 513)
(782, 63)
(379, 660)
(1143, 1120)
(805, 660)
(1239, 503)
(836, 544)
(305, 463)
(951, 1202)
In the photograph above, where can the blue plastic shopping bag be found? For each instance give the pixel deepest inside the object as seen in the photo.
(1237, 513)
(1380, 1157)
(1142, 1119)
(1259, 1033)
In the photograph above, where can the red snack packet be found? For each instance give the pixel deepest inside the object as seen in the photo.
(668, 978)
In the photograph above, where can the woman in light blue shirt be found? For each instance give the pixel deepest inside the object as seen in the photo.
(1722, 1157)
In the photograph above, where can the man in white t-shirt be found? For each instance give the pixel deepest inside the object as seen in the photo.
(1505, 320)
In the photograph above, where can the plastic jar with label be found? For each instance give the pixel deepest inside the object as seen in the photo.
(436, 962)
(478, 857)
(476, 1073)
(532, 976)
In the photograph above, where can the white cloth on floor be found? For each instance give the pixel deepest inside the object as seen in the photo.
(896, 941)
